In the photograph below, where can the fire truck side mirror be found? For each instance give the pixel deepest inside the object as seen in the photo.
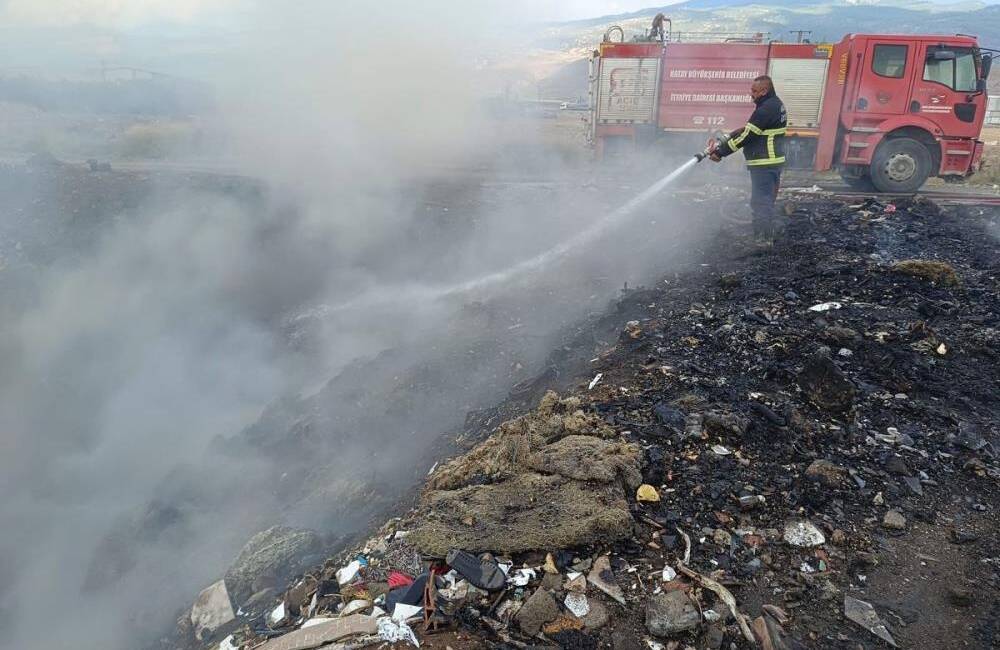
(987, 65)
(980, 85)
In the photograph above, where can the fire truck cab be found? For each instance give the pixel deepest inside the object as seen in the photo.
(887, 111)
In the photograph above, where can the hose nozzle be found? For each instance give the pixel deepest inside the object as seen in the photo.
(714, 144)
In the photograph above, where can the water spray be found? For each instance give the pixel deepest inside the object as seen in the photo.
(584, 238)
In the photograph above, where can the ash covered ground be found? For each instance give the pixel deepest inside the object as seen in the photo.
(809, 428)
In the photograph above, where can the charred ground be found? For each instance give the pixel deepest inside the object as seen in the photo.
(874, 419)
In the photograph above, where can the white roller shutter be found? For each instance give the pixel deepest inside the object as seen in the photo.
(627, 90)
(800, 84)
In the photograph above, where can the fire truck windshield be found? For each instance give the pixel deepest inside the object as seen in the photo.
(958, 72)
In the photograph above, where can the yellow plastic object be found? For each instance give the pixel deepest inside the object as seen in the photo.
(647, 493)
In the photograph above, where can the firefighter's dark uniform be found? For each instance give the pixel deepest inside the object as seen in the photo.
(763, 144)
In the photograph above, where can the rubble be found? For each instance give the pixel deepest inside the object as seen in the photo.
(731, 476)
(275, 553)
(670, 613)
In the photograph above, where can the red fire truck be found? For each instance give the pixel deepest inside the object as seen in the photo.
(885, 110)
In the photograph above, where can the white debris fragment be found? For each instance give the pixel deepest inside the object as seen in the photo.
(669, 573)
(720, 450)
(803, 533)
(521, 577)
(577, 604)
(826, 306)
(277, 615)
(348, 573)
(227, 644)
(316, 620)
(711, 615)
(403, 612)
(394, 631)
(596, 380)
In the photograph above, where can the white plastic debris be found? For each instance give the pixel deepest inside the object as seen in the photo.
(711, 615)
(720, 450)
(577, 604)
(404, 612)
(394, 631)
(596, 380)
(521, 577)
(227, 644)
(348, 573)
(844, 352)
(803, 533)
(355, 607)
(277, 615)
(942, 349)
(826, 306)
(806, 568)
(669, 573)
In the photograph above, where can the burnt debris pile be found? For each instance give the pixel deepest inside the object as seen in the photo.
(782, 447)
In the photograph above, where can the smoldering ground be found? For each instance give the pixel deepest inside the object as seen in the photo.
(186, 375)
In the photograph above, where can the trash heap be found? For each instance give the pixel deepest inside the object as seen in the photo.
(769, 428)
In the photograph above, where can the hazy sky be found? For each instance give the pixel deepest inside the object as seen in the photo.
(127, 13)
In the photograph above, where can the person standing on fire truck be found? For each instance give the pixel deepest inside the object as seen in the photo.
(763, 143)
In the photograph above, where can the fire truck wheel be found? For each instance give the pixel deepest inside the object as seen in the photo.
(900, 165)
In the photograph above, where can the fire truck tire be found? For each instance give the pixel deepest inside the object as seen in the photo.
(900, 165)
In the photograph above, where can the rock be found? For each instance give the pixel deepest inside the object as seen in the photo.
(720, 423)
(802, 533)
(865, 615)
(552, 581)
(577, 584)
(212, 609)
(913, 483)
(624, 639)
(670, 613)
(276, 551)
(894, 520)
(597, 617)
(825, 385)
(722, 538)
(714, 636)
(603, 578)
(673, 419)
(826, 472)
(960, 596)
(538, 610)
(896, 465)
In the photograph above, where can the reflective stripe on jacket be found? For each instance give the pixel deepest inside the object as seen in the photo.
(763, 138)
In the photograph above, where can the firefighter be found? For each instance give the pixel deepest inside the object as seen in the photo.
(656, 31)
(763, 143)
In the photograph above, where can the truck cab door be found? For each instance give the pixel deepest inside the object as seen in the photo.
(945, 90)
(886, 75)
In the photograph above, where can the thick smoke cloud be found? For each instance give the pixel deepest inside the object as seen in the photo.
(130, 370)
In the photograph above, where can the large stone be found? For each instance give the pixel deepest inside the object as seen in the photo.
(597, 617)
(212, 609)
(671, 613)
(827, 473)
(324, 633)
(825, 384)
(276, 552)
(537, 611)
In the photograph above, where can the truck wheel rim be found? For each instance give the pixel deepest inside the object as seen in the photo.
(900, 167)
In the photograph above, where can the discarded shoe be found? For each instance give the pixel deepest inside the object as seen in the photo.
(482, 572)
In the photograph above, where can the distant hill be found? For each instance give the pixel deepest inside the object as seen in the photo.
(827, 21)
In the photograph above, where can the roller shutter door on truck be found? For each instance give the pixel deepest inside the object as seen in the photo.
(800, 84)
(627, 90)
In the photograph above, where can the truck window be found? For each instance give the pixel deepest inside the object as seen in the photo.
(889, 61)
(958, 73)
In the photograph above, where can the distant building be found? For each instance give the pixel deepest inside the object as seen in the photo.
(993, 111)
